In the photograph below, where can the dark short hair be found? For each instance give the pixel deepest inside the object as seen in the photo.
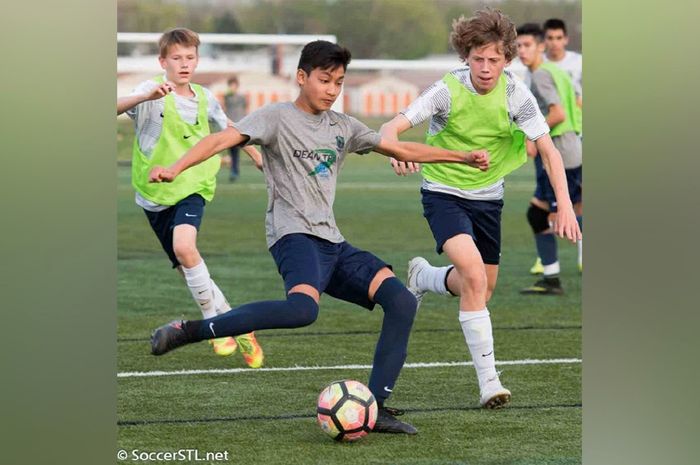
(325, 55)
(531, 29)
(554, 23)
(232, 80)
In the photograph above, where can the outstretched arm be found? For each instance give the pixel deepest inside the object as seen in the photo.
(565, 224)
(202, 150)
(130, 101)
(421, 153)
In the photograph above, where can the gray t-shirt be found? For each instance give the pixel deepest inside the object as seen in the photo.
(302, 154)
(569, 143)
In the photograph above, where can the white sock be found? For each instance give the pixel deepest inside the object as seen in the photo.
(580, 252)
(199, 282)
(551, 269)
(478, 333)
(221, 305)
(432, 278)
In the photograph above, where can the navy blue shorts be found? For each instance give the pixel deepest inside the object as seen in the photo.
(449, 215)
(187, 211)
(340, 270)
(544, 191)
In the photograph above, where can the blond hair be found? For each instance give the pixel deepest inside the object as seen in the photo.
(177, 36)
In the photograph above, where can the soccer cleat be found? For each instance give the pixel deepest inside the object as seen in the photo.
(545, 286)
(494, 395)
(251, 350)
(387, 422)
(414, 267)
(537, 268)
(168, 337)
(224, 346)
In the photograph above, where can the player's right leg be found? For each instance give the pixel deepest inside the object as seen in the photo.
(538, 217)
(299, 265)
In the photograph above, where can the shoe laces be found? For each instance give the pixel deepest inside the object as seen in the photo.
(246, 344)
(393, 411)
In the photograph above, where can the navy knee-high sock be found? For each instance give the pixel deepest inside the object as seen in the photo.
(399, 311)
(546, 248)
(298, 310)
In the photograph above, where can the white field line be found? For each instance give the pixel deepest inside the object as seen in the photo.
(228, 371)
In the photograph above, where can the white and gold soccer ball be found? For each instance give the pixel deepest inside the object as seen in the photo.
(346, 410)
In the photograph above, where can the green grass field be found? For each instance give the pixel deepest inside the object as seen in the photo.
(267, 417)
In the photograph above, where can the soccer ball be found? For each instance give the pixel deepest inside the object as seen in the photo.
(346, 410)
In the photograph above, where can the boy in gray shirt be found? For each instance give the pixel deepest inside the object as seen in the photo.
(556, 98)
(304, 144)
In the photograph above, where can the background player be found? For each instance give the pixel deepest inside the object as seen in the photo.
(556, 98)
(170, 115)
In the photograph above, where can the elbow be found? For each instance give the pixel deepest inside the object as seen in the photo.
(384, 130)
(389, 131)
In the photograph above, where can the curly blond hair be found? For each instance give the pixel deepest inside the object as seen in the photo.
(487, 26)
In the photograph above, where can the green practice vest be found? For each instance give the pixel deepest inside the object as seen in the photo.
(567, 96)
(176, 138)
(477, 122)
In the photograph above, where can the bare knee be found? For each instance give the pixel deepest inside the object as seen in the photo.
(187, 254)
(473, 281)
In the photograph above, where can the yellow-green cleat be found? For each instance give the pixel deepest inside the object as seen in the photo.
(537, 268)
(251, 350)
(224, 346)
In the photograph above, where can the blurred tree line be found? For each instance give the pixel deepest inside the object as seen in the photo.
(400, 29)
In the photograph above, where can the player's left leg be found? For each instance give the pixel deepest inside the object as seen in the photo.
(361, 278)
(474, 283)
(399, 307)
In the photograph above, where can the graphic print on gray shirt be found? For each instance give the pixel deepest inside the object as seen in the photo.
(569, 143)
(302, 155)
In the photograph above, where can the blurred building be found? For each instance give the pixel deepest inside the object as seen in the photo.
(377, 94)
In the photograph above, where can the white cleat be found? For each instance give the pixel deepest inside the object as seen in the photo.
(415, 265)
(494, 395)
